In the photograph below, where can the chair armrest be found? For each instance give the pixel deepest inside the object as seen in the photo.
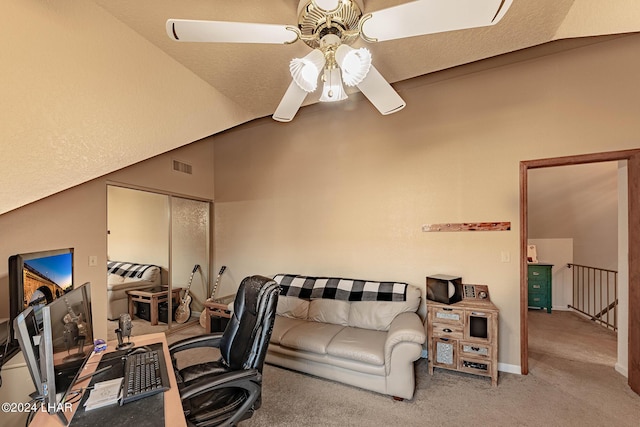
(216, 381)
(406, 327)
(206, 340)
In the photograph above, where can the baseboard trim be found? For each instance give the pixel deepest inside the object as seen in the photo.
(510, 369)
(622, 370)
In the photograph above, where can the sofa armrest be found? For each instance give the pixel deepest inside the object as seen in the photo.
(406, 327)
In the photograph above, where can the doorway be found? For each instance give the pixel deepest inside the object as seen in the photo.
(573, 225)
(633, 181)
(169, 231)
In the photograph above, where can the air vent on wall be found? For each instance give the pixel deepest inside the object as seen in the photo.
(182, 167)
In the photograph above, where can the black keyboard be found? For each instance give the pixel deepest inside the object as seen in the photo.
(145, 374)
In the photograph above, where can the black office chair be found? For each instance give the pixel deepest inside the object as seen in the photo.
(229, 390)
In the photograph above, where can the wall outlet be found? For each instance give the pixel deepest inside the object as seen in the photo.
(93, 261)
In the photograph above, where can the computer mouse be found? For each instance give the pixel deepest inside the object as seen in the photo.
(138, 350)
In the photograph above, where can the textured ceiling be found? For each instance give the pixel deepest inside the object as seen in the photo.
(256, 76)
(91, 80)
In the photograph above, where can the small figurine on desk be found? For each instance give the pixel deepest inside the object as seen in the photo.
(124, 330)
(99, 345)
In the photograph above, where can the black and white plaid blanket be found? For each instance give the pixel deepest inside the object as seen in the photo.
(306, 287)
(127, 269)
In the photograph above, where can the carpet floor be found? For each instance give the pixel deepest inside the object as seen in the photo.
(571, 382)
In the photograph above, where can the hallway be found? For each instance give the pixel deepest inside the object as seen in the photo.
(570, 336)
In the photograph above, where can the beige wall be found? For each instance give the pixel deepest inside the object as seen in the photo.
(71, 219)
(344, 191)
(77, 218)
(79, 87)
(138, 224)
(578, 202)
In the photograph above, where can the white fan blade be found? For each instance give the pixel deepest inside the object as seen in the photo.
(290, 103)
(380, 93)
(432, 16)
(186, 30)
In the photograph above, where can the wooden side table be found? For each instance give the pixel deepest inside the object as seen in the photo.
(153, 297)
(218, 308)
(463, 337)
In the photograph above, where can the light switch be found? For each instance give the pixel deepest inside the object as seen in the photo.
(505, 256)
(93, 261)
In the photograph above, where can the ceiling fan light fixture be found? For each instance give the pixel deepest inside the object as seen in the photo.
(305, 71)
(330, 27)
(332, 90)
(354, 63)
(327, 5)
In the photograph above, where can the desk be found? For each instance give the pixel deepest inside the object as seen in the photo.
(173, 414)
(153, 297)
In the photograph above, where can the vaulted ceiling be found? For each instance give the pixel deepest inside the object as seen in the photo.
(92, 86)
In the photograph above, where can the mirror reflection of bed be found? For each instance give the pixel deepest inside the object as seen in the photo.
(163, 237)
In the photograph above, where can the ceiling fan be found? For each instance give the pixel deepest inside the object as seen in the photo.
(329, 27)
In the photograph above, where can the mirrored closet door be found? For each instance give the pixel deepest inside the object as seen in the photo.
(169, 233)
(190, 249)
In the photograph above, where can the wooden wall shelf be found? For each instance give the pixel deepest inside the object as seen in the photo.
(468, 226)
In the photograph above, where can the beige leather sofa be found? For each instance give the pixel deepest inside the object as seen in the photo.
(331, 328)
(126, 276)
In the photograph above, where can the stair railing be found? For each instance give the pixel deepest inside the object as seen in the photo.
(595, 294)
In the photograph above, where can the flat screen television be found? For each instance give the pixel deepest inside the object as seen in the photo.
(57, 347)
(36, 279)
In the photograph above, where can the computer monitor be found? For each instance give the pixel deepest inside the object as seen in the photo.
(65, 346)
(28, 333)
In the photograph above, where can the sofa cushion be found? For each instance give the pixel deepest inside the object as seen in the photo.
(281, 326)
(362, 345)
(378, 315)
(310, 336)
(137, 273)
(329, 311)
(114, 279)
(292, 307)
(121, 288)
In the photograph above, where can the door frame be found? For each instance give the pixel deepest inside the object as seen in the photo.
(633, 174)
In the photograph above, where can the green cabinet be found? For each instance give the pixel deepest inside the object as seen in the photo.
(539, 279)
